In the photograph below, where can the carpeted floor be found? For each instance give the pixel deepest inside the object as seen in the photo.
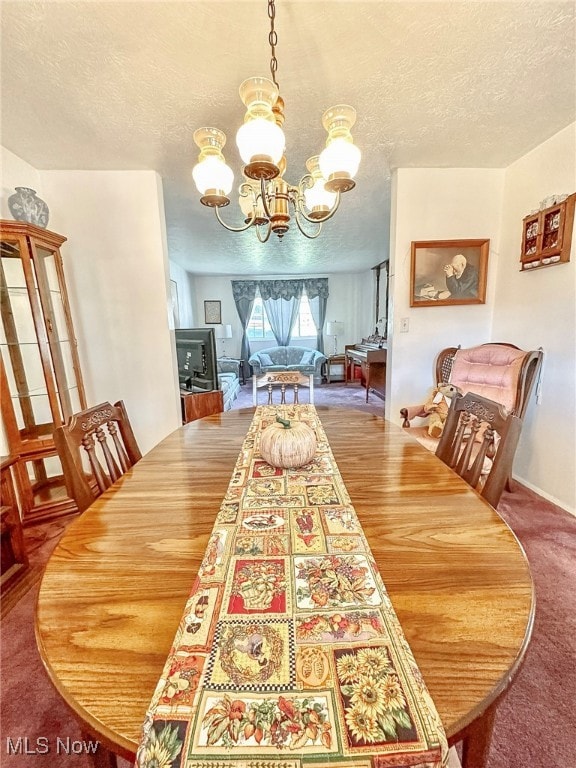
(534, 725)
(335, 394)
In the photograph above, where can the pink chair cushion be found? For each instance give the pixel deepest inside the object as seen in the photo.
(491, 371)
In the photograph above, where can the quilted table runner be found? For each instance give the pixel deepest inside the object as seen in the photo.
(289, 651)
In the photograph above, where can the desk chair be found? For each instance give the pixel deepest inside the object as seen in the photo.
(96, 447)
(479, 442)
(284, 380)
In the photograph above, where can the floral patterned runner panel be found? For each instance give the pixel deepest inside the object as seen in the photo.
(289, 651)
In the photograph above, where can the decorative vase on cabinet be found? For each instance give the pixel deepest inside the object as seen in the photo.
(26, 206)
(40, 377)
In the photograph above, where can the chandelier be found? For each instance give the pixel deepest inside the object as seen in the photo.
(266, 199)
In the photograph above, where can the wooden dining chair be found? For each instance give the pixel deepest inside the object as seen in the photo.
(96, 447)
(479, 442)
(284, 380)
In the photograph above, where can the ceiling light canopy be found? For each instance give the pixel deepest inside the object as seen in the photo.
(267, 201)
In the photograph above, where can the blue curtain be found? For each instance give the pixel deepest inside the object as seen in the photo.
(281, 299)
(244, 293)
(317, 292)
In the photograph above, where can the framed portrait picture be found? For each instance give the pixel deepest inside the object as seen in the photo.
(445, 272)
(212, 313)
(174, 303)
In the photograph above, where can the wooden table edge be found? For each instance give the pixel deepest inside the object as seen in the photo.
(110, 740)
(498, 692)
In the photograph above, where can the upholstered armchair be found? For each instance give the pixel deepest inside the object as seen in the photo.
(501, 372)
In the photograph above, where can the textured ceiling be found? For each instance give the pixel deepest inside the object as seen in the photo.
(107, 85)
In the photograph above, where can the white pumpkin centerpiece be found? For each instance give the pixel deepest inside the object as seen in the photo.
(288, 444)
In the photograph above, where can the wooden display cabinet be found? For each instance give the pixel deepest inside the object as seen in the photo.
(40, 378)
(547, 235)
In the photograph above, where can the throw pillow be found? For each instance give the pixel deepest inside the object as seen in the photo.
(308, 357)
(265, 358)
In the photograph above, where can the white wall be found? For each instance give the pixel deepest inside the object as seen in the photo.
(117, 271)
(117, 277)
(538, 308)
(437, 204)
(351, 301)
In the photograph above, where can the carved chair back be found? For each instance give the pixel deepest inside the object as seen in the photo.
(284, 381)
(479, 442)
(96, 447)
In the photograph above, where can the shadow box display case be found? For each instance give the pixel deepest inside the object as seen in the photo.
(547, 235)
(41, 382)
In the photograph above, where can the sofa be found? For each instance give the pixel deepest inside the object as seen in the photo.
(290, 358)
(228, 381)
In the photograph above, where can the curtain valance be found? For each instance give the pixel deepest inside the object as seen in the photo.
(280, 289)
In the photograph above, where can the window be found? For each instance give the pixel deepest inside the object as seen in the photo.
(259, 327)
(304, 327)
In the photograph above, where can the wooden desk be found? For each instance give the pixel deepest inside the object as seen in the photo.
(372, 361)
(115, 587)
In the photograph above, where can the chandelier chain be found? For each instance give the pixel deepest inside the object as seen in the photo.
(273, 39)
(268, 202)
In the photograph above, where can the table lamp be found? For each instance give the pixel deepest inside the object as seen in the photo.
(334, 328)
(224, 332)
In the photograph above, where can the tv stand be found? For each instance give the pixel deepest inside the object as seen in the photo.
(196, 405)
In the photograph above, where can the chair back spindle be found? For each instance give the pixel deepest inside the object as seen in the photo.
(284, 381)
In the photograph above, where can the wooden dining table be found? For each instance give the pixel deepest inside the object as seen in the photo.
(115, 587)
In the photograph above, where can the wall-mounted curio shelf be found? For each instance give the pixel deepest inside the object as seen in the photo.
(547, 236)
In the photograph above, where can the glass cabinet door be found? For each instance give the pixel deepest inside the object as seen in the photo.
(41, 379)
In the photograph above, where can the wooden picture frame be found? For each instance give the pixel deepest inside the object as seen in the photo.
(212, 312)
(174, 303)
(446, 272)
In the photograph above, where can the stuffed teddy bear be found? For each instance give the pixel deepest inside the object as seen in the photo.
(437, 407)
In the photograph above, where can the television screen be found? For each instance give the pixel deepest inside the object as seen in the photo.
(196, 355)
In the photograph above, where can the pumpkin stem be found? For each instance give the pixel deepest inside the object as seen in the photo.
(285, 422)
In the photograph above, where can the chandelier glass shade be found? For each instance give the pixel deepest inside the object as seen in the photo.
(318, 199)
(213, 178)
(267, 201)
